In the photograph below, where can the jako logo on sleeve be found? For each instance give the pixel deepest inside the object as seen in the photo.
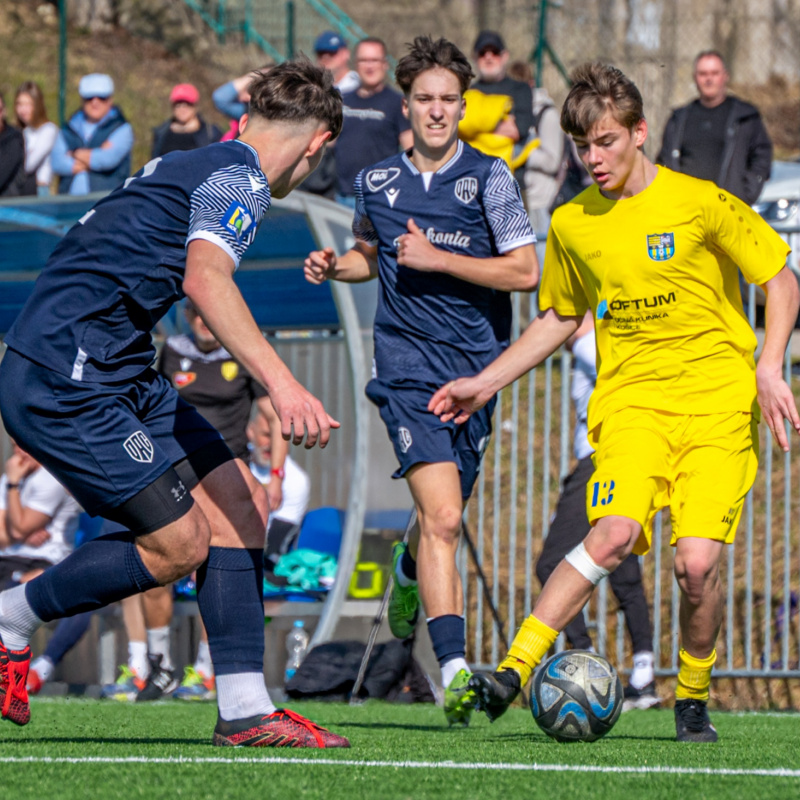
(237, 220)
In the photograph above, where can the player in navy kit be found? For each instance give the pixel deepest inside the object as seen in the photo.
(444, 229)
(77, 390)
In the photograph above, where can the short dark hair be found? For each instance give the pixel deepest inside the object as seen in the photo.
(598, 89)
(296, 91)
(710, 54)
(425, 54)
(372, 40)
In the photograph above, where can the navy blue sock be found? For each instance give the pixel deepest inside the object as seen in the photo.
(408, 566)
(448, 636)
(97, 573)
(67, 634)
(229, 594)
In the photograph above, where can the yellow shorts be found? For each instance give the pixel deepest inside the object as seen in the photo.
(701, 466)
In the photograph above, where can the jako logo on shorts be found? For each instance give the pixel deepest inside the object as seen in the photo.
(139, 448)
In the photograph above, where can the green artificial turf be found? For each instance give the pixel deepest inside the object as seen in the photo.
(139, 750)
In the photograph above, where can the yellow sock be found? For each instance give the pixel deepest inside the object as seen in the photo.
(530, 644)
(694, 676)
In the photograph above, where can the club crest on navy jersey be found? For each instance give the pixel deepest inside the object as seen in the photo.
(466, 190)
(378, 179)
(661, 246)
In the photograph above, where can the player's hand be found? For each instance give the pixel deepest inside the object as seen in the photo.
(459, 399)
(274, 493)
(320, 266)
(302, 416)
(415, 251)
(37, 538)
(19, 466)
(777, 403)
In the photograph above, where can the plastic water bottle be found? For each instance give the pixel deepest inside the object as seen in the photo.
(296, 646)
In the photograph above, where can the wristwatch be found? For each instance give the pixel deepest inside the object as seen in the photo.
(278, 472)
(16, 485)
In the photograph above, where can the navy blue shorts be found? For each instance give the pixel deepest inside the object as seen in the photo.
(420, 437)
(104, 442)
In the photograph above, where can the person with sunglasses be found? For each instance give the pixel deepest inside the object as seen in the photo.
(93, 150)
(491, 59)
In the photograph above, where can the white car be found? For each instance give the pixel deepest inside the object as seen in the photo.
(779, 205)
(779, 202)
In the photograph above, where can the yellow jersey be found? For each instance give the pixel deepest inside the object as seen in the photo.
(659, 271)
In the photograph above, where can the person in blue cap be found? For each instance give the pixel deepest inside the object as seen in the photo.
(333, 53)
(93, 150)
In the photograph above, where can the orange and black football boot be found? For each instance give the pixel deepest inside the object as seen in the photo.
(282, 728)
(14, 666)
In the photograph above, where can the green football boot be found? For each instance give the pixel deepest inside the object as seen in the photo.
(459, 699)
(404, 601)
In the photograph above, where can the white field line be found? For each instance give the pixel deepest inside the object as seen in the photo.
(334, 762)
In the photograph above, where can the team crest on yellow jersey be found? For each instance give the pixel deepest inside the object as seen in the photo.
(661, 246)
(230, 369)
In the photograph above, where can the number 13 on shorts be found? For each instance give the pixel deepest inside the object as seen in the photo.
(602, 493)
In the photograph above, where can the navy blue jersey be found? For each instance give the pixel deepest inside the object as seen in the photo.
(431, 327)
(121, 267)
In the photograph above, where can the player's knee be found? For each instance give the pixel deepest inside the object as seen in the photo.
(443, 524)
(611, 541)
(695, 575)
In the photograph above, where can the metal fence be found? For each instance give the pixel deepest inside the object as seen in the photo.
(510, 512)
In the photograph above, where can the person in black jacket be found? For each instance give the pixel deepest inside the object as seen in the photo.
(12, 158)
(718, 137)
(186, 129)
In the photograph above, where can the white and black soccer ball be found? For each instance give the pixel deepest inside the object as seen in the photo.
(577, 696)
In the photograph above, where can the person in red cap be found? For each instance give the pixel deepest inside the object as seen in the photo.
(186, 130)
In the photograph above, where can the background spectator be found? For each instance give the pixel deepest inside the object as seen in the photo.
(38, 519)
(718, 137)
(40, 135)
(93, 150)
(231, 98)
(491, 60)
(333, 54)
(12, 157)
(186, 130)
(374, 124)
(286, 517)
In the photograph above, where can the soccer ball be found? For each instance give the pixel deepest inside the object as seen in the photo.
(577, 696)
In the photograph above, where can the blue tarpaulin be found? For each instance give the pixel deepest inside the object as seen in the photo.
(270, 275)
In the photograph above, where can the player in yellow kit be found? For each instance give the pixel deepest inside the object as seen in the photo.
(654, 254)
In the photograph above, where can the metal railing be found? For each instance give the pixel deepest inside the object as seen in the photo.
(280, 28)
